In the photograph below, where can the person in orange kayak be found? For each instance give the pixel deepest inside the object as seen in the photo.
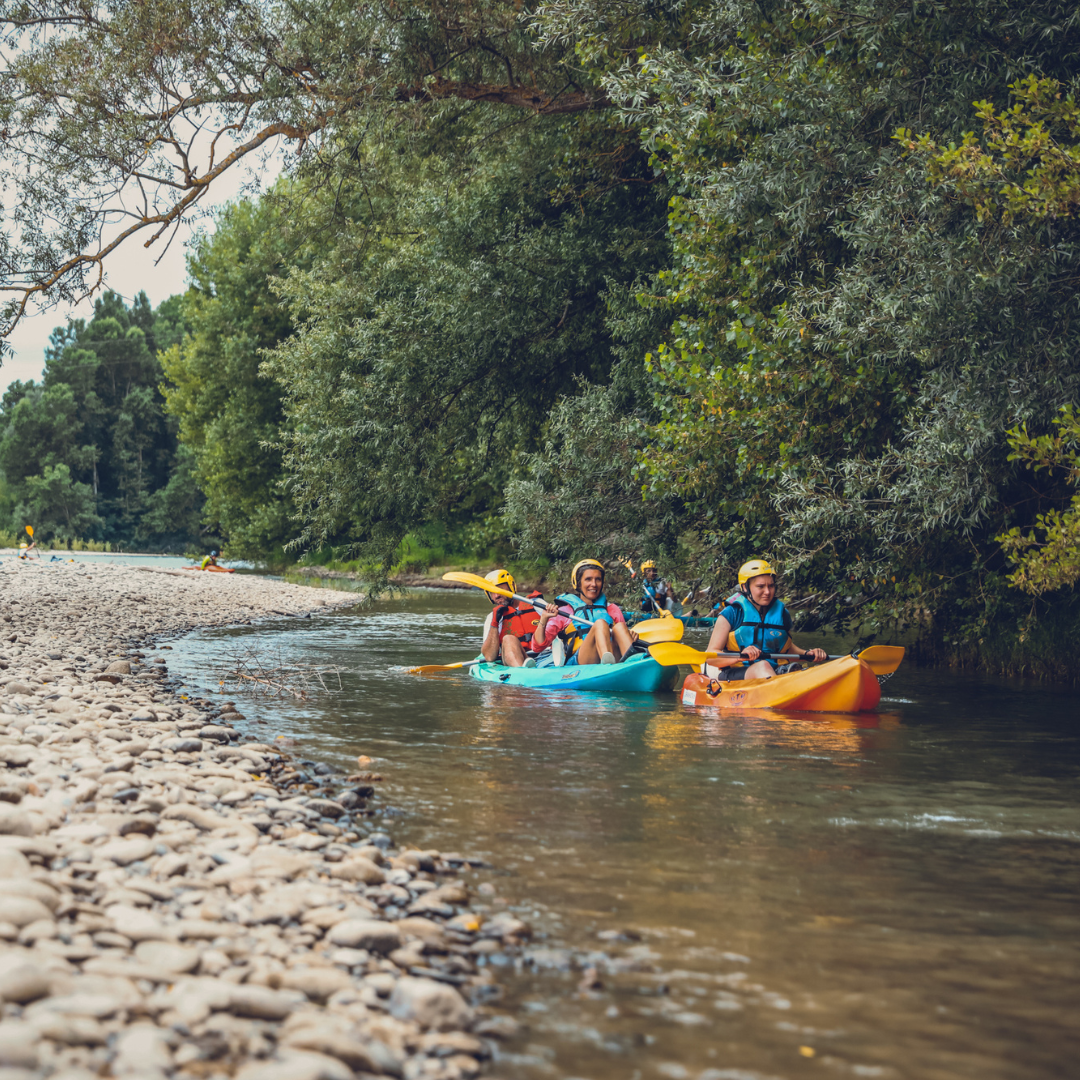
(608, 640)
(755, 624)
(208, 561)
(508, 630)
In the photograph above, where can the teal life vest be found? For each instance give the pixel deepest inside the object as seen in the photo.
(768, 631)
(573, 634)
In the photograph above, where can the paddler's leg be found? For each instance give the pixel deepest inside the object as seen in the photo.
(596, 643)
(621, 633)
(761, 670)
(513, 655)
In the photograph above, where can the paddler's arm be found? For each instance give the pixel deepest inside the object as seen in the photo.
(540, 631)
(817, 655)
(719, 637)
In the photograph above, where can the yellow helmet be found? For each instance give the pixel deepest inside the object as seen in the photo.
(503, 578)
(754, 568)
(648, 564)
(581, 566)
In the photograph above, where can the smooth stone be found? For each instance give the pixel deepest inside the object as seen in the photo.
(28, 886)
(297, 1065)
(142, 1050)
(262, 1003)
(18, 1045)
(135, 924)
(17, 757)
(325, 1039)
(71, 1030)
(370, 934)
(125, 852)
(22, 910)
(64, 705)
(24, 982)
(17, 687)
(430, 1004)
(326, 807)
(119, 667)
(164, 956)
(357, 868)
(14, 864)
(13, 820)
(317, 983)
(182, 746)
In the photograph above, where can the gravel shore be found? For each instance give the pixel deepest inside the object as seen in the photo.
(178, 902)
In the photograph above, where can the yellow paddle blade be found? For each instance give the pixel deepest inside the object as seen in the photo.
(653, 630)
(671, 654)
(427, 669)
(883, 659)
(30, 530)
(476, 581)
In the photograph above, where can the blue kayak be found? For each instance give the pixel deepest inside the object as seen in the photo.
(640, 674)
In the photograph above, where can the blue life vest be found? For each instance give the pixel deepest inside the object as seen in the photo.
(574, 634)
(767, 631)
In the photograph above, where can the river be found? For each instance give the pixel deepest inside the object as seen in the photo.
(890, 895)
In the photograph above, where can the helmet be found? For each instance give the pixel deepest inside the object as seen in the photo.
(581, 566)
(213, 554)
(754, 568)
(503, 578)
(648, 564)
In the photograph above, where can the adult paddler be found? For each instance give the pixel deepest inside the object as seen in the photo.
(208, 561)
(754, 623)
(508, 630)
(606, 641)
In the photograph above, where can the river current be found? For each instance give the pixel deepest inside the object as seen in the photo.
(761, 895)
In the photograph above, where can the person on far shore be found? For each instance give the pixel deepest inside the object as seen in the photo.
(210, 560)
(755, 624)
(608, 640)
(509, 628)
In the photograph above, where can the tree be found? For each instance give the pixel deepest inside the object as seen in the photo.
(118, 118)
(848, 343)
(230, 414)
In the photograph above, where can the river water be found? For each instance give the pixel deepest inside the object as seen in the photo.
(763, 895)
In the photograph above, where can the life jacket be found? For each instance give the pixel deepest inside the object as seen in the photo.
(767, 631)
(521, 622)
(572, 634)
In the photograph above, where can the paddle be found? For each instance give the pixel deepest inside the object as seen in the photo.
(650, 630)
(428, 669)
(882, 659)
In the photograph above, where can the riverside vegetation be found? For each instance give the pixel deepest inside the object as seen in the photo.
(697, 281)
(178, 899)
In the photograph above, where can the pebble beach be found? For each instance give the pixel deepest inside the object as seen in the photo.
(178, 900)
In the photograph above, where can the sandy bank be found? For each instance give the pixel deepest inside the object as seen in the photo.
(178, 902)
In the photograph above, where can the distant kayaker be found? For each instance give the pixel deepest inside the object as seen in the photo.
(758, 623)
(659, 595)
(508, 630)
(610, 639)
(210, 560)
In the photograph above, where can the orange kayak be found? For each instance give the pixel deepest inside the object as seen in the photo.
(846, 684)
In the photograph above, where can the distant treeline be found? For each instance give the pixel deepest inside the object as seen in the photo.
(768, 279)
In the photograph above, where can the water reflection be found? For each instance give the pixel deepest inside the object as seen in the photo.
(884, 895)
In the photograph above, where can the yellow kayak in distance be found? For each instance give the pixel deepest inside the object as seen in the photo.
(847, 684)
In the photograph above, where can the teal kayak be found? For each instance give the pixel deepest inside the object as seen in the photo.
(640, 674)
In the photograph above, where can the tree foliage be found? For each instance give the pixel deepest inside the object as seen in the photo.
(89, 453)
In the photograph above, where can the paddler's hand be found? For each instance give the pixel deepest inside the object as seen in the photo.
(751, 653)
(549, 612)
(633, 634)
(817, 655)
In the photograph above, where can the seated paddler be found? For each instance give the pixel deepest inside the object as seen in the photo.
(757, 625)
(508, 629)
(659, 595)
(564, 624)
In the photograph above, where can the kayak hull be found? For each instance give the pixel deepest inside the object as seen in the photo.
(640, 674)
(844, 685)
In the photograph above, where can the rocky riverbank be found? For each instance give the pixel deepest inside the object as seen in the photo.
(177, 901)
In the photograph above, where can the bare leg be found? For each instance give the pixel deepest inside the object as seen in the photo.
(596, 643)
(513, 655)
(761, 670)
(621, 634)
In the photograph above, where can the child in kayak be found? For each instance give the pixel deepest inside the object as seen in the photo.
(581, 644)
(508, 630)
(659, 596)
(759, 623)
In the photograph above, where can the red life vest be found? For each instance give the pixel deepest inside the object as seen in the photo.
(521, 622)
